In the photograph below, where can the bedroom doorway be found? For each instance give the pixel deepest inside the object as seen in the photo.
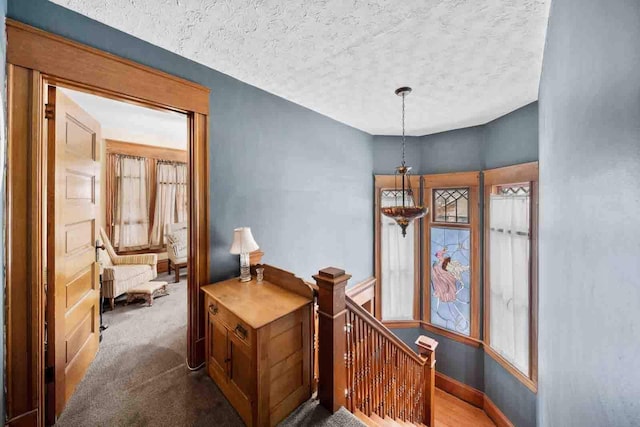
(38, 62)
(117, 227)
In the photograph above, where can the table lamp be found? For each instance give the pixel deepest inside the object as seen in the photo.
(243, 243)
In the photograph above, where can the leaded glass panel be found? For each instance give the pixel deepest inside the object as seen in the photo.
(451, 205)
(394, 198)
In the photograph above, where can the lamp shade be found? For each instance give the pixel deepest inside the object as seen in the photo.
(243, 241)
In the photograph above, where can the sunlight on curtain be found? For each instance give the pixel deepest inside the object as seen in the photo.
(132, 204)
(397, 261)
(171, 199)
(509, 278)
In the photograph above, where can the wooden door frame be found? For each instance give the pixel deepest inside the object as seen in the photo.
(36, 58)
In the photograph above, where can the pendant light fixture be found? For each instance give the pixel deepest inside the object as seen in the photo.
(404, 210)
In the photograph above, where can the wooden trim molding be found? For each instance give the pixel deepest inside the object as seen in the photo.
(528, 382)
(460, 390)
(57, 56)
(474, 397)
(517, 173)
(496, 415)
(36, 59)
(25, 253)
(452, 335)
(401, 324)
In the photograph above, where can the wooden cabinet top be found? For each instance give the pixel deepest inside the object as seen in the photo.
(256, 304)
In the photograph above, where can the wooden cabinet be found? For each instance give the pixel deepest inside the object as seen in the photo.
(258, 344)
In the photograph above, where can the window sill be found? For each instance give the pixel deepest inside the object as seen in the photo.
(528, 382)
(401, 324)
(452, 335)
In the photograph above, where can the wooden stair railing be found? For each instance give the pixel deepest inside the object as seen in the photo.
(363, 366)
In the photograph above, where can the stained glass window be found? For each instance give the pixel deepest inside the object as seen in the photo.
(450, 278)
(451, 205)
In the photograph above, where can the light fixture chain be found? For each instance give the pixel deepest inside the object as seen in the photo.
(403, 138)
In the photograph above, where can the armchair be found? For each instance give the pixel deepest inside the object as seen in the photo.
(177, 247)
(123, 272)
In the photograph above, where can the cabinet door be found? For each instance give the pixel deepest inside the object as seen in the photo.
(218, 347)
(241, 373)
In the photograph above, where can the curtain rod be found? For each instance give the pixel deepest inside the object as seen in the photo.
(171, 162)
(128, 156)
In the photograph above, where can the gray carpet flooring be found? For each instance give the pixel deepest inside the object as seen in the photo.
(140, 378)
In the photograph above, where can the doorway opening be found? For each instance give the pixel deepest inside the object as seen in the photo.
(117, 246)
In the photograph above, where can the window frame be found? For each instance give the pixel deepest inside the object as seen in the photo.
(387, 182)
(527, 172)
(453, 180)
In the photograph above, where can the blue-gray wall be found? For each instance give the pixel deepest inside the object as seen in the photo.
(512, 139)
(301, 180)
(457, 150)
(508, 140)
(589, 204)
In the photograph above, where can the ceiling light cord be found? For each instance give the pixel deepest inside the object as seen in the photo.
(403, 138)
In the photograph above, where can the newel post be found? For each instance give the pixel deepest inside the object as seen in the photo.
(427, 349)
(331, 337)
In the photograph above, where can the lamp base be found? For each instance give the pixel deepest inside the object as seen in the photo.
(245, 270)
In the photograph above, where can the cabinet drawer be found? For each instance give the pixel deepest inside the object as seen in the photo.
(240, 329)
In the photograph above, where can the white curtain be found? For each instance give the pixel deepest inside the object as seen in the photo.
(131, 229)
(397, 259)
(171, 199)
(509, 278)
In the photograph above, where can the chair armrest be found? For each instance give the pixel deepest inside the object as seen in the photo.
(171, 253)
(150, 259)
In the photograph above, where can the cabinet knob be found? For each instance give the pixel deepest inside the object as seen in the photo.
(213, 309)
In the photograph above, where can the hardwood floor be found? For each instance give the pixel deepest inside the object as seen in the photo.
(453, 412)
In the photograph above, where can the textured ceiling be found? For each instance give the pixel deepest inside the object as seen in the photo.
(468, 61)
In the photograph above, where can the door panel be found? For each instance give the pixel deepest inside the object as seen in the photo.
(240, 372)
(73, 138)
(218, 343)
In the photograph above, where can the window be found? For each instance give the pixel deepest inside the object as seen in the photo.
(510, 266)
(145, 191)
(131, 202)
(450, 263)
(171, 199)
(397, 296)
(451, 205)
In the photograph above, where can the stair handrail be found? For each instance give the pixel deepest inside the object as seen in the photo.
(382, 329)
(336, 379)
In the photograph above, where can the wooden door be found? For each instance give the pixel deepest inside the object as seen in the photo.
(73, 295)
